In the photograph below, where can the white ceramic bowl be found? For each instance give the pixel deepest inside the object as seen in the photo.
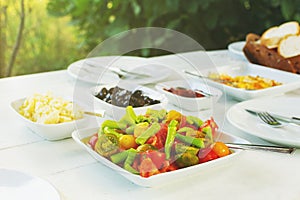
(209, 169)
(49, 131)
(187, 103)
(116, 112)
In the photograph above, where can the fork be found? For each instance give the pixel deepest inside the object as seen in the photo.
(269, 119)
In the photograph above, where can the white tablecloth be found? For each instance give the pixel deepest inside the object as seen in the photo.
(76, 175)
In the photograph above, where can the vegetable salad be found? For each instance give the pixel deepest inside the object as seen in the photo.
(245, 82)
(158, 141)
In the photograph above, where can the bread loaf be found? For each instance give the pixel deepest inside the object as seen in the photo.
(279, 50)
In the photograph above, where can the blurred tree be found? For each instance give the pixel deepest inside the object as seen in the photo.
(48, 43)
(213, 23)
(3, 13)
(18, 39)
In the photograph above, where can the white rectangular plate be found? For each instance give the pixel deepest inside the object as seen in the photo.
(289, 80)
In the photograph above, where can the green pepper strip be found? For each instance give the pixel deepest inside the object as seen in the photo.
(156, 115)
(207, 130)
(111, 124)
(170, 138)
(119, 157)
(194, 120)
(129, 160)
(181, 148)
(130, 129)
(185, 129)
(152, 130)
(108, 130)
(130, 116)
(197, 142)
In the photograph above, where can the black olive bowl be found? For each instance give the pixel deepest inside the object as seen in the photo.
(114, 98)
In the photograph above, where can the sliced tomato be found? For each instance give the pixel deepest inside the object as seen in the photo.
(148, 168)
(167, 167)
(207, 154)
(158, 158)
(183, 122)
(210, 122)
(158, 140)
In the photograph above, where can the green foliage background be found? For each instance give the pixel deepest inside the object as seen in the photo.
(67, 30)
(213, 23)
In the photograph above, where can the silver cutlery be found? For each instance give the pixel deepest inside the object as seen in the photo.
(197, 75)
(278, 149)
(122, 73)
(269, 119)
(205, 77)
(274, 119)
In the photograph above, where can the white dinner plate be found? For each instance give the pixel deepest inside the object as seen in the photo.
(95, 70)
(15, 185)
(289, 80)
(168, 177)
(251, 124)
(237, 48)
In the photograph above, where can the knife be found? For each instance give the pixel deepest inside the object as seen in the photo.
(295, 120)
(278, 149)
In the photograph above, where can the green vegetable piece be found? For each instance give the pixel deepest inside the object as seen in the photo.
(170, 138)
(106, 145)
(142, 118)
(140, 128)
(130, 169)
(181, 148)
(119, 157)
(130, 157)
(129, 160)
(194, 120)
(185, 129)
(207, 130)
(197, 142)
(112, 125)
(187, 159)
(130, 129)
(156, 115)
(108, 130)
(130, 116)
(144, 136)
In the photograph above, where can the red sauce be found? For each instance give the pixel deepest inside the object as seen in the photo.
(184, 92)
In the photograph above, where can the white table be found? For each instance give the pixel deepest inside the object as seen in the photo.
(76, 175)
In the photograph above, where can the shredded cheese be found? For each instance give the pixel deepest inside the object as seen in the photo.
(47, 109)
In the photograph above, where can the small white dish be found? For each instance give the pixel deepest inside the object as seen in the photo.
(49, 131)
(289, 81)
(190, 103)
(16, 185)
(168, 177)
(237, 48)
(116, 112)
(252, 125)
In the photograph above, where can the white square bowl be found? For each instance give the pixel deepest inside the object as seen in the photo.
(167, 177)
(116, 112)
(190, 103)
(49, 131)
